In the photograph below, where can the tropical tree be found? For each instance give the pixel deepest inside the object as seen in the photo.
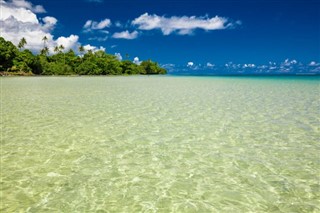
(66, 63)
(130, 68)
(23, 62)
(56, 49)
(61, 48)
(88, 68)
(44, 51)
(72, 59)
(81, 49)
(44, 39)
(152, 68)
(7, 53)
(22, 43)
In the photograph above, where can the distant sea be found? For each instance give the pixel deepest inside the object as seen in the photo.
(235, 74)
(160, 144)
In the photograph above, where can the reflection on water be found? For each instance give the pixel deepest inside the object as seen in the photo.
(159, 144)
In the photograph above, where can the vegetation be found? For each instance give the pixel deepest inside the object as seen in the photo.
(19, 61)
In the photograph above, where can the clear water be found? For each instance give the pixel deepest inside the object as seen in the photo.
(160, 144)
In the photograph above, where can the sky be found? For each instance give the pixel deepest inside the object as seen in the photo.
(184, 36)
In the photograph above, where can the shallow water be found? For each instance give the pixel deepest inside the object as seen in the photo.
(160, 144)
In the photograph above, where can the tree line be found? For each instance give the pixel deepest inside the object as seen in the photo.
(16, 60)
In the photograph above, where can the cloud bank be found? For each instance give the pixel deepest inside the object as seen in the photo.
(179, 25)
(22, 4)
(286, 67)
(19, 19)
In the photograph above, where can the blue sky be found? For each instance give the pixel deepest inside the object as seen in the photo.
(182, 35)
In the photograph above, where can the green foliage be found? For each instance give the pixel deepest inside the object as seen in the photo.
(23, 62)
(7, 53)
(81, 49)
(53, 68)
(88, 68)
(22, 43)
(71, 59)
(39, 63)
(129, 68)
(44, 51)
(60, 63)
(152, 68)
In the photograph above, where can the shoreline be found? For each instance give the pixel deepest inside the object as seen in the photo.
(23, 74)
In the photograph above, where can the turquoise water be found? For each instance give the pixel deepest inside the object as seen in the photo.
(160, 144)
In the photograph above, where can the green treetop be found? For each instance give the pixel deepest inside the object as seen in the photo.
(18, 61)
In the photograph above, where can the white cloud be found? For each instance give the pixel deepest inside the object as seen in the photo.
(118, 24)
(70, 42)
(13, 29)
(287, 62)
(102, 24)
(248, 65)
(313, 63)
(210, 65)
(20, 14)
(17, 21)
(39, 9)
(93, 25)
(190, 64)
(119, 56)
(168, 65)
(87, 24)
(24, 5)
(182, 25)
(136, 61)
(104, 31)
(193, 66)
(93, 48)
(293, 62)
(49, 23)
(21, 3)
(98, 38)
(249, 68)
(126, 35)
(230, 64)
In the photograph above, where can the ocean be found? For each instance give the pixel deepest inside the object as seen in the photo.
(160, 144)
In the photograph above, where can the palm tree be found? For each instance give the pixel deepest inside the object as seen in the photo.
(56, 49)
(61, 48)
(22, 43)
(45, 51)
(81, 49)
(44, 39)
